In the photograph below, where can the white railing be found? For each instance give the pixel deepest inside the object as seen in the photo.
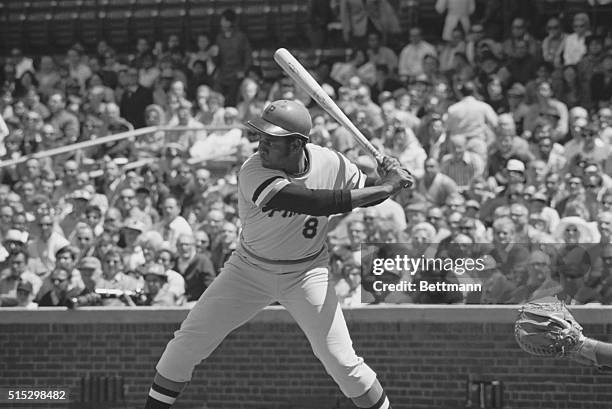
(113, 138)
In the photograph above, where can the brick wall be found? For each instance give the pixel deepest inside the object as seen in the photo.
(422, 355)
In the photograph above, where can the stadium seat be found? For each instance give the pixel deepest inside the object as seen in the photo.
(89, 26)
(14, 28)
(200, 18)
(42, 5)
(116, 26)
(38, 32)
(332, 54)
(64, 29)
(143, 23)
(172, 21)
(255, 21)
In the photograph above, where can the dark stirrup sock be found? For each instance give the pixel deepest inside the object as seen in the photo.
(383, 403)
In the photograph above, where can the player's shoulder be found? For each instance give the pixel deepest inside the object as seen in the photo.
(252, 162)
(252, 171)
(318, 152)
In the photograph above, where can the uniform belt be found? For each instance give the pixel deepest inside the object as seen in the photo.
(298, 261)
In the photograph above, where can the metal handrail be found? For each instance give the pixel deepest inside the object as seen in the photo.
(111, 138)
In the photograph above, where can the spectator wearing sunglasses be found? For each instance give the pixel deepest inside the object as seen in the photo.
(553, 43)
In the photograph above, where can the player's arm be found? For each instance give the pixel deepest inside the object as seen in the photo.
(325, 202)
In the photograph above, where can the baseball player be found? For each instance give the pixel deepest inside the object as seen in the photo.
(287, 191)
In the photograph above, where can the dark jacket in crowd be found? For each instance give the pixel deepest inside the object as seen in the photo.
(133, 104)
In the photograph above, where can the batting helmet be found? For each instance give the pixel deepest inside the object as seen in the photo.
(284, 118)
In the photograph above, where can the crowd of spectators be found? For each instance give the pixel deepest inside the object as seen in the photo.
(509, 139)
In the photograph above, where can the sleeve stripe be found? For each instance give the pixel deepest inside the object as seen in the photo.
(341, 172)
(261, 187)
(270, 191)
(361, 181)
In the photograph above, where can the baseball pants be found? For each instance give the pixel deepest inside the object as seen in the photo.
(241, 290)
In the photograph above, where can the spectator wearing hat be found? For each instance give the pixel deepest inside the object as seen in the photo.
(12, 240)
(196, 269)
(79, 200)
(576, 230)
(156, 288)
(130, 231)
(151, 248)
(411, 56)
(25, 296)
(91, 271)
(17, 272)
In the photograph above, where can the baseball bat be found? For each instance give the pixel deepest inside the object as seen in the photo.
(298, 73)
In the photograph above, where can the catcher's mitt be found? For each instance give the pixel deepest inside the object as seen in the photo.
(546, 328)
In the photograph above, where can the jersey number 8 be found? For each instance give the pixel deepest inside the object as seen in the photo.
(310, 227)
